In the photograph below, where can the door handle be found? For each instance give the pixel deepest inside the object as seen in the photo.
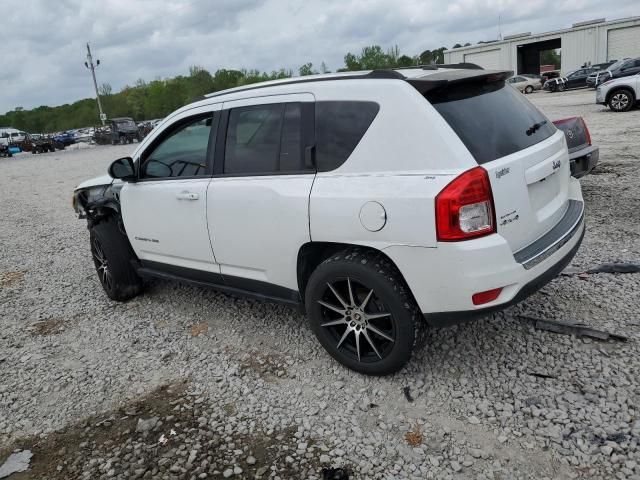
(187, 196)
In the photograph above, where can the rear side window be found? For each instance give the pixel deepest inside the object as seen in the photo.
(491, 119)
(253, 139)
(340, 125)
(264, 139)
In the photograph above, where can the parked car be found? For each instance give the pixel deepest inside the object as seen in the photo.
(583, 156)
(548, 75)
(374, 201)
(84, 135)
(598, 68)
(532, 75)
(124, 130)
(524, 84)
(65, 138)
(621, 94)
(623, 68)
(575, 79)
(41, 144)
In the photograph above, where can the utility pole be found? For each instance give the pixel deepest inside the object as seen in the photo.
(89, 64)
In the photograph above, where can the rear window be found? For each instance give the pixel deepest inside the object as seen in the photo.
(492, 119)
(340, 125)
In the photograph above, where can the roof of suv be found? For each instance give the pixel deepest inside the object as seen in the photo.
(419, 71)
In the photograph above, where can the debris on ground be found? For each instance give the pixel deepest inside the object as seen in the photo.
(414, 436)
(17, 462)
(407, 394)
(334, 474)
(576, 329)
(617, 267)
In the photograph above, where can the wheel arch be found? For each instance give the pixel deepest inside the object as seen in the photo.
(312, 254)
(97, 204)
(620, 88)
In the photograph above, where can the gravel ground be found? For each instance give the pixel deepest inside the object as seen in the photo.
(188, 383)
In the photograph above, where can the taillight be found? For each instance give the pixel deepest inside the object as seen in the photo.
(586, 131)
(587, 135)
(464, 208)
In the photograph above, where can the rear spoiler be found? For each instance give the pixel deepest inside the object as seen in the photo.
(444, 79)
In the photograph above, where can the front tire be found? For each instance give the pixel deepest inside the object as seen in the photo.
(112, 255)
(621, 101)
(362, 312)
(528, 89)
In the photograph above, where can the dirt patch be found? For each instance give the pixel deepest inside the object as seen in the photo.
(198, 329)
(9, 279)
(169, 433)
(50, 326)
(67, 448)
(267, 365)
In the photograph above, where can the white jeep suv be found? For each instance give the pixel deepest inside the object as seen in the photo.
(379, 202)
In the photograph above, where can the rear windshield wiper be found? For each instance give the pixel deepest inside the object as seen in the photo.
(535, 127)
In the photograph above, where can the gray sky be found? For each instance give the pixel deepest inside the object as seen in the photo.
(43, 41)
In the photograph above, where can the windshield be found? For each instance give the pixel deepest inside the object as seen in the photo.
(616, 65)
(492, 120)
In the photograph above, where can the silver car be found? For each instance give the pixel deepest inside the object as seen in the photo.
(525, 84)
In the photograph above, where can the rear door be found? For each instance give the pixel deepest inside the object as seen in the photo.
(258, 199)
(524, 154)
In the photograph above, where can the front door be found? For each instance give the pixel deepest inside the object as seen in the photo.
(165, 211)
(258, 199)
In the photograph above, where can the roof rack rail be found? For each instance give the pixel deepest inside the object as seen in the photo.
(462, 65)
(377, 74)
(382, 73)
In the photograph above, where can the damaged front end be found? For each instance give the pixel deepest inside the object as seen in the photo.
(96, 202)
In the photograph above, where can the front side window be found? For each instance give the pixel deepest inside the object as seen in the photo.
(181, 153)
(264, 139)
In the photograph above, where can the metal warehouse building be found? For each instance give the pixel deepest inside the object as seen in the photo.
(591, 42)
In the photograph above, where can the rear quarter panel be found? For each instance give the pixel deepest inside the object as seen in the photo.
(405, 158)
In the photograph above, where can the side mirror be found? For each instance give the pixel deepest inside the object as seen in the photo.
(123, 169)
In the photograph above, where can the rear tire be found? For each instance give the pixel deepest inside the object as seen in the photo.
(112, 255)
(362, 312)
(621, 100)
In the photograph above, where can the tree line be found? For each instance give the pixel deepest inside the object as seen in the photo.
(155, 99)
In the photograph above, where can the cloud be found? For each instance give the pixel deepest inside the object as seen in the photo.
(44, 49)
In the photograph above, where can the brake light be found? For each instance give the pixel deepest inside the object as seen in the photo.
(579, 119)
(586, 131)
(464, 208)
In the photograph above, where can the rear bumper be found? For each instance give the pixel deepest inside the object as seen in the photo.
(447, 319)
(583, 161)
(444, 279)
